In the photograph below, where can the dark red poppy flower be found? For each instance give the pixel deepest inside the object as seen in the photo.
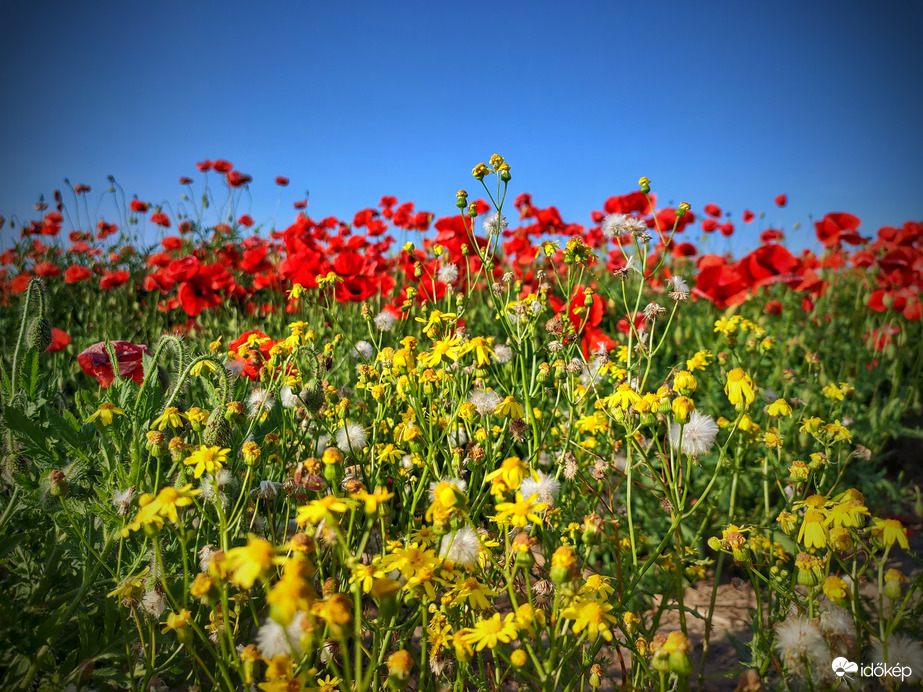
(281, 180)
(238, 179)
(222, 166)
(95, 361)
(59, 339)
(185, 226)
(138, 206)
(709, 225)
(80, 188)
(713, 210)
(160, 219)
(301, 204)
(748, 216)
(105, 230)
(185, 181)
(205, 165)
(773, 307)
(781, 200)
(76, 273)
(246, 220)
(114, 279)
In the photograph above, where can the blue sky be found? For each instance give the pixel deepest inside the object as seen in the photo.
(725, 102)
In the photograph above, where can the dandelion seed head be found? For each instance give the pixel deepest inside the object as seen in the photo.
(363, 350)
(462, 548)
(447, 273)
(384, 320)
(351, 436)
(485, 401)
(698, 435)
(543, 485)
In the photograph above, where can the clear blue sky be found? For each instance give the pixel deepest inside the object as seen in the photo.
(727, 102)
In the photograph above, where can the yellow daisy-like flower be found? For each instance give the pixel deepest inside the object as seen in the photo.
(436, 319)
(510, 408)
(623, 397)
(365, 576)
(739, 388)
(522, 511)
(511, 472)
(248, 563)
(177, 621)
(315, 511)
(196, 369)
(153, 510)
(489, 633)
(592, 616)
(207, 460)
(699, 361)
(481, 348)
(448, 348)
(779, 408)
(813, 533)
(373, 500)
(889, 532)
(170, 417)
(105, 413)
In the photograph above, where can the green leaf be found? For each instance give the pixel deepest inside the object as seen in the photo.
(26, 430)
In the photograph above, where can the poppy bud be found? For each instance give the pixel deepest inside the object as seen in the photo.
(57, 483)
(38, 334)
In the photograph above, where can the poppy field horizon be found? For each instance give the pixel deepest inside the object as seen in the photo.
(485, 450)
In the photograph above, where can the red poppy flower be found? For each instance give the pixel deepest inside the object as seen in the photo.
(222, 166)
(781, 200)
(47, 269)
(139, 206)
(171, 242)
(113, 279)
(80, 188)
(281, 180)
(627, 204)
(105, 230)
(95, 361)
(301, 204)
(205, 165)
(246, 220)
(59, 339)
(256, 356)
(709, 225)
(773, 307)
(713, 210)
(238, 179)
(727, 229)
(837, 227)
(771, 235)
(748, 216)
(75, 273)
(185, 181)
(160, 219)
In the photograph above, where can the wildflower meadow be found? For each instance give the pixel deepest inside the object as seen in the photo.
(489, 450)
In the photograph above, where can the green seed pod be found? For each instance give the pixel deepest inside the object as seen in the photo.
(217, 430)
(313, 398)
(38, 333)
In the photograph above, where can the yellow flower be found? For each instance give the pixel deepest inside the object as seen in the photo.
(365, 576)
(296, 292)
(196, 369)
(510, 408)
(592, 616)
(481, 348)
(623, 397)
(327, 684)
(448, 348)
(739, 388)
(489, 633)
(153, 510)
(446, 499)
(813, 533)
(832, 392)
(699, 361)
(511, 472)
(522, 511)
(684, 382)
(248, 563)
(519, 658)
(177, 621)
(104, 413)
(850, 513)
(835, 588)
(889, 532)
(682, 406)
(215, 345)
(473, 592)
(197, 417)
(372, 500)
(410, 560)
(316, 510)
(779, 408)
(170, 417)
(436, 319)
(207, 460)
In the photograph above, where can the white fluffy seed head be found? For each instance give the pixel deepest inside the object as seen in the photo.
(462, 548)
(543, 485)
(351, 436)
(485, 401)
(698, 435)
(363, 350)
(384, 320)
(447, 273)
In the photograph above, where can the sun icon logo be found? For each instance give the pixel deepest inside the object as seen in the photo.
(841, 666)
